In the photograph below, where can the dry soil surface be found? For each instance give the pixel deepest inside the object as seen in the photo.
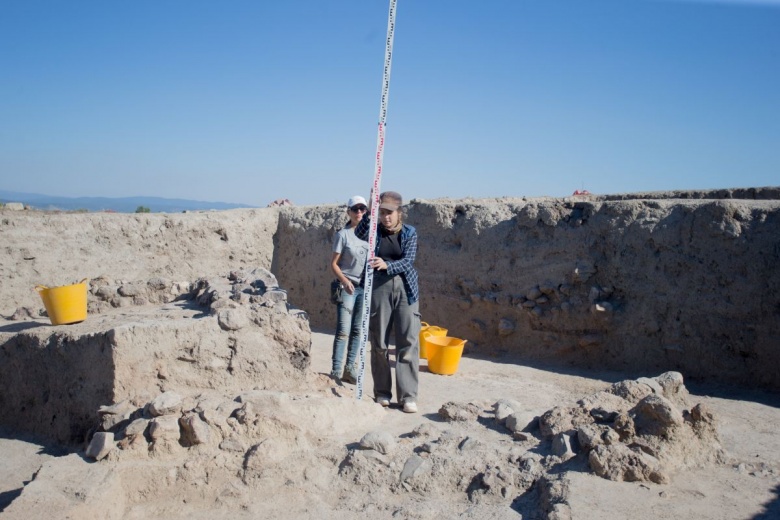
(746, 487)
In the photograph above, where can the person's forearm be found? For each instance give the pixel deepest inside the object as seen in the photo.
(338, 272)
(361, 230)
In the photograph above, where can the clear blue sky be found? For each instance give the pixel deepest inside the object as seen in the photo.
(250, 101)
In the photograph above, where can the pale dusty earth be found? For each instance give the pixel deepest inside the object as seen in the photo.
(746, 487)
(321, 472)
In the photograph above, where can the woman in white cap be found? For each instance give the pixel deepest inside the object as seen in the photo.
(348, 264)
(394, 304)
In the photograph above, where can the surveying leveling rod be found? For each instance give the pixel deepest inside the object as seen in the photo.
(380, 151)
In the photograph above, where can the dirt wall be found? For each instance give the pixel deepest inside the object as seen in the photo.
(637, 285)
(55, 249)
(53, 380)
(652, 283)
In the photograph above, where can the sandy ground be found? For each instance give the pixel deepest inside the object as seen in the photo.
(746, 488)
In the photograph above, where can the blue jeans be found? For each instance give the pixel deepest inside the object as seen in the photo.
(348, 330)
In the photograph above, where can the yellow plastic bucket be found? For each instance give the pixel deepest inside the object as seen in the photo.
(444, 354)
(65, 304)
(425, 331)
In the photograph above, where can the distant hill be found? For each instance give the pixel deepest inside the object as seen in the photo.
(121, 204)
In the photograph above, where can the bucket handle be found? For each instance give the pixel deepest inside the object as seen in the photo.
(424, 324)
(426, 334)
(40, 288)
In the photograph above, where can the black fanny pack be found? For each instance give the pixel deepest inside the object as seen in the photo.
(336, 291)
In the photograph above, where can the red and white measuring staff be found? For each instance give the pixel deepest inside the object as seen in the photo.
(380, 152)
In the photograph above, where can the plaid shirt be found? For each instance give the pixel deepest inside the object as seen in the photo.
(404, 265)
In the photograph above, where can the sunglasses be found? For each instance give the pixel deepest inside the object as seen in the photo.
(355, 209)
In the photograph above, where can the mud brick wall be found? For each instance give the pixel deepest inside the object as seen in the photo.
(643, 285)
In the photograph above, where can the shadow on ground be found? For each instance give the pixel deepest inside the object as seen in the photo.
(695, 386)
(772, 509)
(22, 326)
(9, 495)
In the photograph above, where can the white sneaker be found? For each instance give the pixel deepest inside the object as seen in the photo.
(385, 402)
(410, 407)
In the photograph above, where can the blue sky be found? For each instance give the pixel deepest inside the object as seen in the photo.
(249, 101)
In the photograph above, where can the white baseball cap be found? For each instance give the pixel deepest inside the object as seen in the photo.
(354, 201)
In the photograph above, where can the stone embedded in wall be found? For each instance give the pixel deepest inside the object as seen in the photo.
(25, 313)
(100, 446)
(166, 403)
(136, 427)
(533, 214)
(272, 297)
(106, 293)
(232, 319)
(590, 340)
(194, 430)
(160, 284)
(164, 427)
(116, 414)
(506, 326)
(547, 287)
(534, 293)
(130, 290)
(562, 446)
